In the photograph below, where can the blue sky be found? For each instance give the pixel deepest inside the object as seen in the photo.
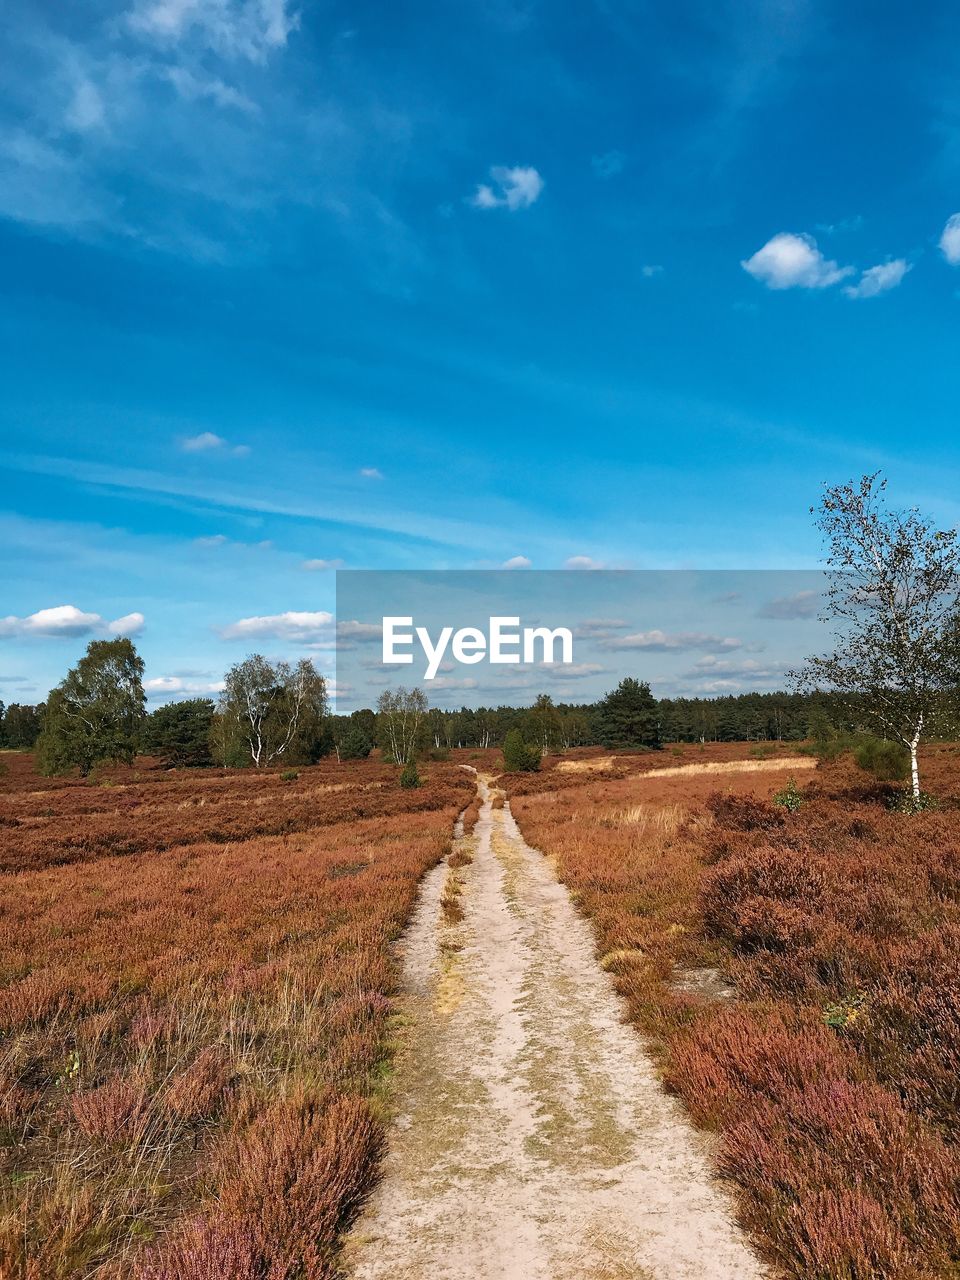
(431, 286)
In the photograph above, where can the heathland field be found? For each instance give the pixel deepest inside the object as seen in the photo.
(206, 1027)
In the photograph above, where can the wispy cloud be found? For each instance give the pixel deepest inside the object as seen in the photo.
(950, 240)
(879, 279)
(803, 604)
(321, 566)
(208, 442)
(513, 188)
(371, 473)
(657, 641)
(68, 622)
(790, 261)
(233, 28)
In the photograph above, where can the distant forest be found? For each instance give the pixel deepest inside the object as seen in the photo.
(745, 717)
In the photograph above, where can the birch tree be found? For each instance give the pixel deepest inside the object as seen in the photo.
(892, 599)
(400, 717)
(274, 705)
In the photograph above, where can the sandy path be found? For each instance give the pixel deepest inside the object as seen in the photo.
(533, 1140)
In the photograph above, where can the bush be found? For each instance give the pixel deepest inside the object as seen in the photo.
(355, 745)
(289, 775)
(519, 756)
(790, 798)
(409, 777)
(907, 802)
(886, 761)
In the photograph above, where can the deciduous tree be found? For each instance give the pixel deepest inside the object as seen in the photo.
(96, 712)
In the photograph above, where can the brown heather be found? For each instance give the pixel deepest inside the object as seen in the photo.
(831, 1082)
(195, 996)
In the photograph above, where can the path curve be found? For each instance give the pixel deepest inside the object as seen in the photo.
(533, 1139)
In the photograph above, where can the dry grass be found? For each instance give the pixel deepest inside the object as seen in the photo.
(193, 1036)
(831, 1080)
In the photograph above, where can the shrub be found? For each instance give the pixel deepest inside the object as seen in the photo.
(289, 775)
(790, 798)
(907, 802)
(885, 760)
(520, 756)
(409, 777)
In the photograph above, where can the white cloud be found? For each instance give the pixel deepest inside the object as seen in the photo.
(86, 110)
(280, 626)
(657, 641)
(575, 671)
(516, 188)
(194, 88)
(68, 621)
(651, 269)
(516, 562)
(170, 686)
(371, 473)
(878, 279)
(794, 262)
(583, 562)
(950, 240)
(234, 28)
(131, 624)
(214, 540)
(321, 566)
(803, 604)
(209, 442)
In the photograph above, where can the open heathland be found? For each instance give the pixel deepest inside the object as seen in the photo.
(798, 969)
(195, 1010)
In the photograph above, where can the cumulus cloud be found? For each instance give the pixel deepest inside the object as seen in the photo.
(950, 240)
(180, 686)
(131, 624)
(291, 625)
(879, 279)
(513, 189)
(583, 562)
(793, 262)
(573, 671)
(321, 566)
(67, 621)
(516, 562)
(657, 641)
(208, 442)
(803, 604)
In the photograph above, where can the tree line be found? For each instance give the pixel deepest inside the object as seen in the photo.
(894, 671)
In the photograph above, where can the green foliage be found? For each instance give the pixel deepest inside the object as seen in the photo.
(21, 726)
(907, 802)
(409, 777)
(628, 717)
(275, 709)
(289, 775)
(887, 761)
(790, 798)
(96, 712)
(845, 1013)
(520, 756)
(179, 733)
(355, 745)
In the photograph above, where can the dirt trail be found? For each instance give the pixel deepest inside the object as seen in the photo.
(533, 1140)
